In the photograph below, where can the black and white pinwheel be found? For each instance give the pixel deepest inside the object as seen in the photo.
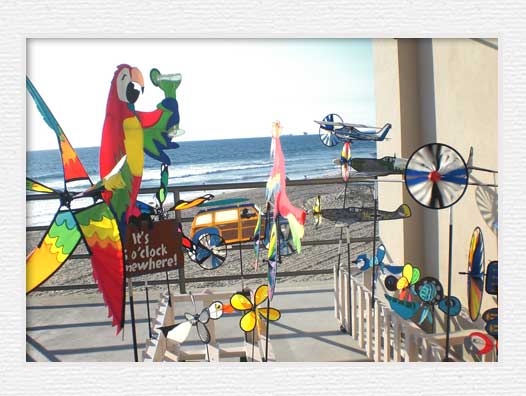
(180, 332)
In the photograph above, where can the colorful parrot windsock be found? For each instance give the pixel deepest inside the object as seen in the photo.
(132, 133)
(276, 188)
(277, 192)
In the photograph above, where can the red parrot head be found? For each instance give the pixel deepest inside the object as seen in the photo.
(126, 86)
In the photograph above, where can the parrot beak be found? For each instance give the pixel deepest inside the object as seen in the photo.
(136, 77)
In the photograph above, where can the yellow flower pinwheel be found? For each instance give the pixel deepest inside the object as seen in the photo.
(410, 276)
(250, 319)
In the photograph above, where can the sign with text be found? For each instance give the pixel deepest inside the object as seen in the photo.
(152, 247)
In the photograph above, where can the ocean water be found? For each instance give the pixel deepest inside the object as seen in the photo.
(201, 162)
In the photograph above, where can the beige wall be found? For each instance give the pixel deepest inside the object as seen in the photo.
(466, 95)
(387, 93)
(446, 91)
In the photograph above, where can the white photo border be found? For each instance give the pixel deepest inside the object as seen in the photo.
(249, 19)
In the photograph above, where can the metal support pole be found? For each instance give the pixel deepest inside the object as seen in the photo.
(348, 254)
(349, 270)
(278, 261)
(168, 287)
(374, 242)
(449, 270)
(341, 230)
(132, 314)
(148, 309)
(180, 269)
(241, 267)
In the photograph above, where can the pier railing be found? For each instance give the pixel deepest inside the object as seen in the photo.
(176, 190)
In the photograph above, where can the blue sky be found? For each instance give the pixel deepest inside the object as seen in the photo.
(230, 88)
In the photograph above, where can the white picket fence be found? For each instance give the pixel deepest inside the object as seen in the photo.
(381, 333)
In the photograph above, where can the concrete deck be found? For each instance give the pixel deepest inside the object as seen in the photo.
(75, 328)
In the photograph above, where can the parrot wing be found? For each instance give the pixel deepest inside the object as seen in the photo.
(112, 181)
(159, 128)
(101, 233)
(60, 240)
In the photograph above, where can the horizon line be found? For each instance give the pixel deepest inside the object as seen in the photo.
(190, 141)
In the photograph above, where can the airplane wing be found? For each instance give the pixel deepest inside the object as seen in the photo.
(331, 123)
(347, 124)
(373, 135)
(355, 173)
(365, 136)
